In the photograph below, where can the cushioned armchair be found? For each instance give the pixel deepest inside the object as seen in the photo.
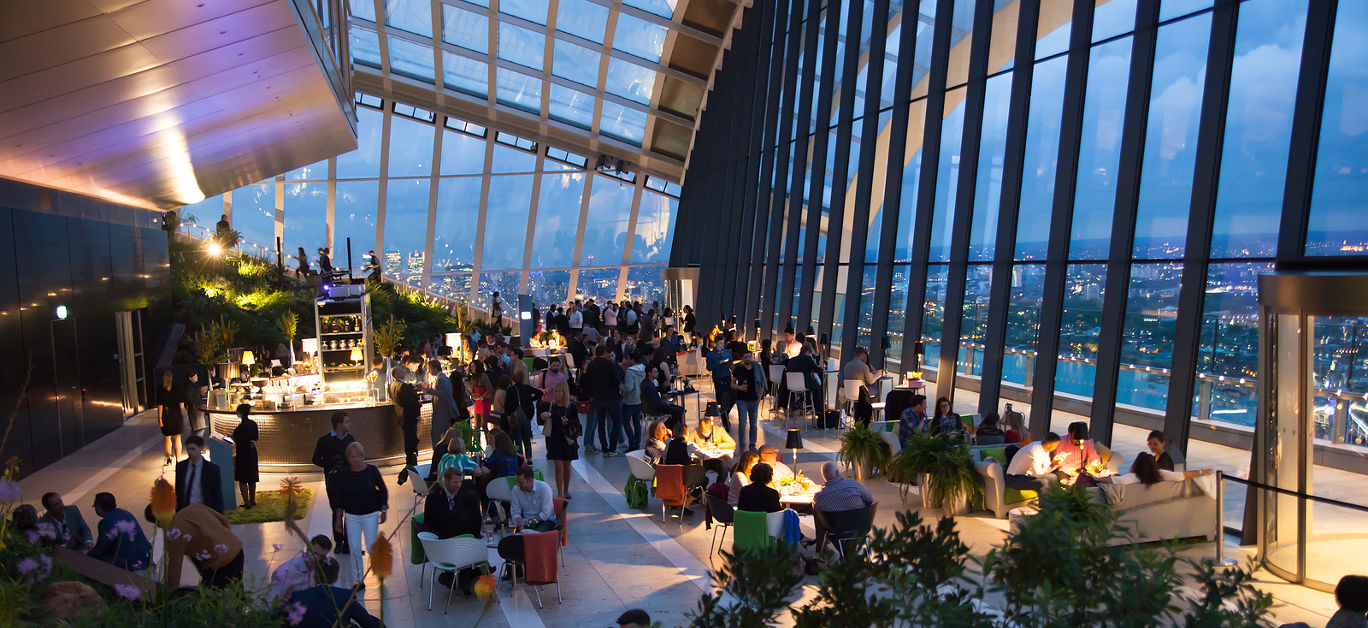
(997, 497)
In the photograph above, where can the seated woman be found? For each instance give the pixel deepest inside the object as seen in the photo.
(502, 461)
(988, 431)
(456, 457)
(740, 476)
(758, 496)
(1146, 471)
(1158, 446)
(946, 422)
(704, 434)
(679, 451)
(654, 452)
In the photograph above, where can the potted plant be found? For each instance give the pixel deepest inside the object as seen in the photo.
(943, 468)
(863, 451)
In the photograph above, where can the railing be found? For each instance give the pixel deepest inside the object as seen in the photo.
(1221, 478)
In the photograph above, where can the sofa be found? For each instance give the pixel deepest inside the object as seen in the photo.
(991, 462)
(1165, 510)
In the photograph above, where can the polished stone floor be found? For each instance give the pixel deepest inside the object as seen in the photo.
(617, 558)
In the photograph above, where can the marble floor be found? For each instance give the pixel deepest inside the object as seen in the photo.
(616, 559)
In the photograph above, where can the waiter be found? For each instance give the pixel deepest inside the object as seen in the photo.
(330, 454)
(407, 407)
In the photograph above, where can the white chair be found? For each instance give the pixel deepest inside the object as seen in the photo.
(418, 482)
(451, 555)
(636, 463)
(498, 489)
(851, 392)
(800, 398)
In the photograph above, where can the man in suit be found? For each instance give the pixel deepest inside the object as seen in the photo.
(70, 526)
(329, 454)
(407, 408)
(444, 409)
(442, 513)
(198, 481)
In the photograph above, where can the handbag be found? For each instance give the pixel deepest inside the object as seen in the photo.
(584, 407)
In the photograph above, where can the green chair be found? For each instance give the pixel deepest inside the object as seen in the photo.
(883, 426)
(750, 530)
(999, 453)
(513, 479)
(416, 555)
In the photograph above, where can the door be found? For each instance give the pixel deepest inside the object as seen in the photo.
(66, 378)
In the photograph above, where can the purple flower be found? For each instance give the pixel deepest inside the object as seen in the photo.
(220, 549)
(175, 534)
(296, 613)
(47, 531)
(47, 562)
(203, 555)
(9, 491)
(275, 547)
(111, 534)
(31, 536)
(126, 527)
(127, 592)
(27, 566)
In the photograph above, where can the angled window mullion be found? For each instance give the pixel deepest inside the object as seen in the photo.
(817, 164)
(782, 168)
(773, 44)
(481, 221)
(432, 202)
(1306, 125)
(799, 168)
(755, 102)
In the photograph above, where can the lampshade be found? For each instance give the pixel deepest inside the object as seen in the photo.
(711, 410)
(356, 354)
(453, 339)
(310, 345)
(247, 358)
(794, 441)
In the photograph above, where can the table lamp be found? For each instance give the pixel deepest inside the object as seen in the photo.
(310, 345)
(356, 354)
(794, 443)
(247, 358)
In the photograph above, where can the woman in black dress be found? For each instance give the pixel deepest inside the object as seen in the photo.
(245, 469)
(169, 416)
(562, 444)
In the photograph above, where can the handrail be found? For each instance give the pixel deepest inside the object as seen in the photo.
(1221, 478)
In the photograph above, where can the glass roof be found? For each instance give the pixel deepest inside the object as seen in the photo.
(594, 65)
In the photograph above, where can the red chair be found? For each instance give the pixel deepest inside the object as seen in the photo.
(540, 554)
(670, 489)
(561, 524)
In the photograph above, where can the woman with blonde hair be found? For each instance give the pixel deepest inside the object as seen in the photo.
(562, 430)
(657, 438)
(360, 501)
(169, 416)
(482, 393)
(740, 476)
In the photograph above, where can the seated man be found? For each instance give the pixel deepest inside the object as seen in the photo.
(301, 572)
(326, 605)
(770, 456)
(1075, 453)
(203, 535)
(913, 420)
(443, 513)
(72, 531)
(706, 434)
(857, 369)
(653, 404)
(1031, 467)
(838, 494)
(533, 509)
(121, 541)
(758, 496)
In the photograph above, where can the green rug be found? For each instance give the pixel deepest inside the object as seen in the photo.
(270, 507)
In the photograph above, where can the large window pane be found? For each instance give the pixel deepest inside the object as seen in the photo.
(1023, 323)
(364, 162)
(1042, 151)
(654, 228)
(1263, 85)
(644, 283)
(451, 285)
(599, 284)
(947, 178)
(506, 284)
(466, 29)
(510, 198)
(558, 211)
(1147, 337)
(406, 211)
(624, 123)
(636, 36)
(509, 160)
(458, 215)
(1339, 213)
(988, 185)
(306, 219)
(521, 46)
(365, 46)
(583, 18)
(530, 10)
(410, 147)
(864, 322)
(605, 229)
(974, 319)
(911, 180)
(465, 74)
(1079, 329)
(1228, 356)
(549, 287)
(571, 106)
(574, 62)
(254, 215)
(628, 80)
(1099, 153)
(933, 313)
(897, 312)
(1171, 140)
(411, 59)
(414, 16)
(354, 217)
(518, 90)
(462, 154)
(317, 171)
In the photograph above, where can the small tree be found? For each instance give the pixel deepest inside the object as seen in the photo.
(752, 588)
(288, 322)
(389, 335)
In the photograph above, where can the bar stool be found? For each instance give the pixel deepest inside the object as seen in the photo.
(799, 397)
(852, 393)
(776, 374)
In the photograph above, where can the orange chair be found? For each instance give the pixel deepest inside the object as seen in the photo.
(561, 524)
(540, 554)
(670, 489)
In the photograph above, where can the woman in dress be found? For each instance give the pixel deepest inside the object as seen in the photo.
(169, 416)
(481, 392)
(245, 469)
(561, 443)
(360, 501)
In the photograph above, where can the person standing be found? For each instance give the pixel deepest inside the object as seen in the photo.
(689, 323)
(205, 537)
(747, 384)
(325, 266)
(407, 408)
(169, 416)
(198, 481)
(194, 402)
(372, 267)
(245, 469)
(223, 231)
(303, 258)
(634, 372)
(603, 381)
(496, 309)
(329, 455)
(70, 525)
(120, 541)
(719, 363)
(360, 503)
(481, 394)
(576, 320)
(562, 445)
(444, 408)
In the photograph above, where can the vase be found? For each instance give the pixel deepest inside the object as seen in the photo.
(862, 471)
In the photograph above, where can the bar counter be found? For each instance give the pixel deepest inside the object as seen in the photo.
(288, 436)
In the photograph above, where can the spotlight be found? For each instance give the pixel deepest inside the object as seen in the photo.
(214, 249)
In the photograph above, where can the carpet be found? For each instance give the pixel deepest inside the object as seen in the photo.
(270, 506)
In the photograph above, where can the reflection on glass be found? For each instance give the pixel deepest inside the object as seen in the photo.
(458, 216)
(465, 74)
(410, 147)
(406, 211)
(1263, 84)
(897, 313)
(312, 172)
(466, 29)
(911, 181)
(599, 284)
(518, 89)
(1115, 17)
(1099, 152)
(1042, 148)
(605, 227)
(1147, 335)
(410, 59)
(933, 313)
(558, 212)
(354, 217)
(636, 36)
(510, 197)
(365, 46)
(574, 62)
(1228, 355)
(864, 324)
(947, 177)
(663, 8)
(654, 228)
(1023, 324)
(1338, 224)
(988, 185)
(571, 106)
(974, 319)
(306, 217)
(1169, 9)
(364, 162)
(628, 125)
(1171, 139)
(1079, 328)
(628, 80)
(1053, 28)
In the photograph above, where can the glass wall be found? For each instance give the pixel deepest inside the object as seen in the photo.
(527, 190)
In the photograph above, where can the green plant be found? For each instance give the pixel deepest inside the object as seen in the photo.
(1220, 587)
(207, 346)
(288, 322)
(751, 588)
(862, 448)
(389, 335)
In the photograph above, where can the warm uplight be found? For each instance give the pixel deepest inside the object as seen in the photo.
(310, 345)
(356, 354)
(248, 359)
(214, 249)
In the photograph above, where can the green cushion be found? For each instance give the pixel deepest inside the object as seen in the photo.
(513, 479)
(998, 453)
(883, 426)
(416, 554)
(1012, 496)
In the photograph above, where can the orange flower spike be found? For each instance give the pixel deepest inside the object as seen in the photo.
(291, 488)
(163, 501)
(382, 558)
(484, 586)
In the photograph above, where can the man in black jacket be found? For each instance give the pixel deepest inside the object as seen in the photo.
(407, 407)
(603, 381)
(198, 481)
(806, 363)
(329, 454)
